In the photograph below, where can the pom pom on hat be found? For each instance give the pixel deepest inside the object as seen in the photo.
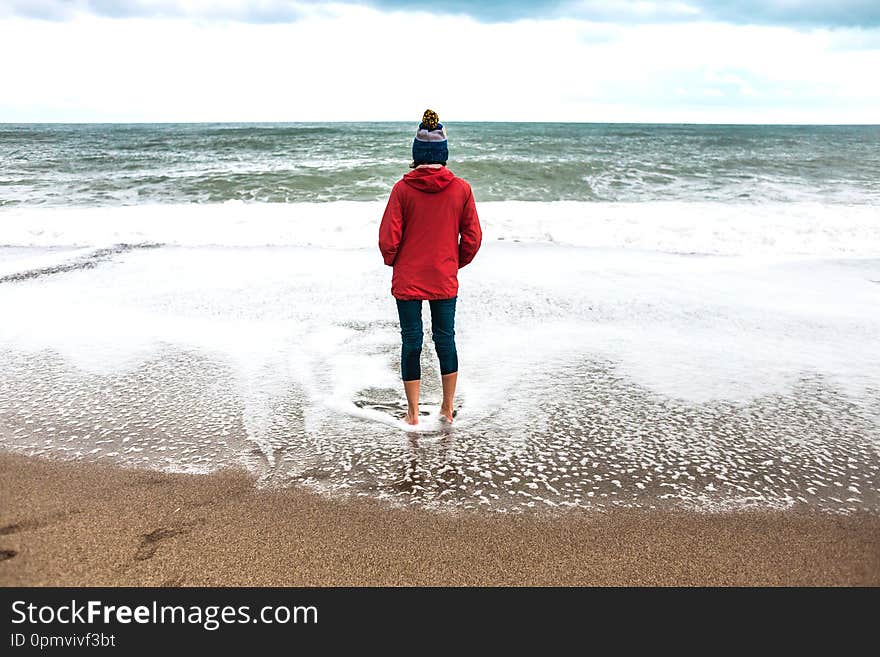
(430, 119)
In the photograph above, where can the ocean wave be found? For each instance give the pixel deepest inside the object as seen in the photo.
(211, 163)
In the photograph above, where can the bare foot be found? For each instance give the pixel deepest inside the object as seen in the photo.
(411, 388)
(446, 415)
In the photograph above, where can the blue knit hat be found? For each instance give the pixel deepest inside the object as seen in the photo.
(429, 146)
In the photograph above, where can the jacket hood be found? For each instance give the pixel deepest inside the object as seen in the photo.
(429, 179)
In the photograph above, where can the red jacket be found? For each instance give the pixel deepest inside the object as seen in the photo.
(428, 210)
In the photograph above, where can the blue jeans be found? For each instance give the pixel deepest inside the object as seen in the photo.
(442, 330)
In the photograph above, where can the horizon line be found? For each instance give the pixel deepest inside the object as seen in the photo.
(342, 121)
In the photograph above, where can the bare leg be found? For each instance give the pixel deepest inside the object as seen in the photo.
(411, 388)
(449, 381)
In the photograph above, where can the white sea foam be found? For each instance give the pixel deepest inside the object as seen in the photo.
(24, 259)
(581, 366)
(674, 227)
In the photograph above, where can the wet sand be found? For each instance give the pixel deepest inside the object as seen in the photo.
(67, 523)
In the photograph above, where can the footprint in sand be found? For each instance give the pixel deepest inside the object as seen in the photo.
(36, 523)
(150, 542)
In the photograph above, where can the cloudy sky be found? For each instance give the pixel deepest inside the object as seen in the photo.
(750, 61)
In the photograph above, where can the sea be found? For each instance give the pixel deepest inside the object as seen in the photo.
(661, 316)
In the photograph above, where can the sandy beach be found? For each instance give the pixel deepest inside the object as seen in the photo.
(74, 523)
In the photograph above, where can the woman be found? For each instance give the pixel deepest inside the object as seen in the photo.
(429, 231)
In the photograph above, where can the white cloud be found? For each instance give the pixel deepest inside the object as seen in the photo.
(356, 63)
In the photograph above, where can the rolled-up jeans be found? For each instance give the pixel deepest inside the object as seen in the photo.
(411, 333)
